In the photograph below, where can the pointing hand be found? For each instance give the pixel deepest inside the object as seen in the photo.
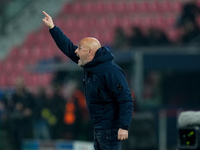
(48, 20)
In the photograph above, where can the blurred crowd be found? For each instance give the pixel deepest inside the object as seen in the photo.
(56, 113)
(138, 38)
(186, 25)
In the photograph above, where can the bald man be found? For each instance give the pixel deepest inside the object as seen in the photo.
(106, 90)
(86, 50)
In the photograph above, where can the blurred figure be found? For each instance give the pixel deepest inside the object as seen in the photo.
(156, 37)
(3, 15)
(41, 127)
(54, 112)
(6, 134)
(191, 31)
(137, 38)
(22, 113)
(2, 111)
(152, 91)
(120, 39)
(59, 75)
(190, 11)
(4, 127)
(187, 23)
(76, 115)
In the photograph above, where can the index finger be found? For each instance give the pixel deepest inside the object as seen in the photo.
(47, 15)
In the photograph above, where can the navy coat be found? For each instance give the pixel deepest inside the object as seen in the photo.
(106, 90)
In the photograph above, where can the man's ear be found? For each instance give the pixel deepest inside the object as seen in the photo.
(90, 51)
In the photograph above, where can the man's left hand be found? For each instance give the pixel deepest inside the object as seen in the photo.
(122, 134)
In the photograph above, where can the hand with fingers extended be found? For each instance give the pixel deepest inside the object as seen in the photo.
(48, 20)
(122, 134)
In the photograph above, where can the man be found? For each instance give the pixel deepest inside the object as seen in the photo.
(22, 107)
(106, 90)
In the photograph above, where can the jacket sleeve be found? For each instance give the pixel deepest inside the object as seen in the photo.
(120, 90)
(64, 43)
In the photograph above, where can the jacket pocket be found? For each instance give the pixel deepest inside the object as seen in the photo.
(112, 134)
(100, 94)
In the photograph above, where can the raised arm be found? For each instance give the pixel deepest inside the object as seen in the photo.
(61, 40)
(48, 20)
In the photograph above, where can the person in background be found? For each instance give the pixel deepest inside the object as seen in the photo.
(40, 125)
(22, 113)
(120, 41)
(136, 38)
(156, 37)
(190, 12)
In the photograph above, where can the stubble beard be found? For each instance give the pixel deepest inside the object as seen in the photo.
(80, 63)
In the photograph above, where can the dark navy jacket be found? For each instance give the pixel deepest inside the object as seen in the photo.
(106, 90)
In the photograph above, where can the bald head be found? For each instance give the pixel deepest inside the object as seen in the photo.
(91, 43)
(87, 49)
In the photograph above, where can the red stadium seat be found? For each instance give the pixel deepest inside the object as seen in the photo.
(170, 20)
(3, 81)
(8, 66)
(19, 66)
(170, 6)
(14, 53)
(132, 7)
(31, 80)
(11, 79)
(81, 23)
(173, 35)
(77, 8)
(120, 7)
(30, 40)
(153, 6)
(142, 6)
(88, 7)
(114, 21)
(45, 79)
(126, 22)
(67, 8)
(108, 7)
(24, 53)
(97, 8)
(106, 37)
(176, 6)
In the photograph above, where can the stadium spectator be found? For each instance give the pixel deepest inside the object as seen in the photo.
(188, 25)
(137, 39)
(54, 112)
(22, 113)
(59, 75)
(2, 16)
(156, 37)
(74, 111)
(191, 33)
(120, 39)
(190, 11)
(40, 124)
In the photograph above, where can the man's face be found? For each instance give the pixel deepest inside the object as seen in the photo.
(82, 52)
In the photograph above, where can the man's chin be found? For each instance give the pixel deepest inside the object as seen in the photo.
(80, 63)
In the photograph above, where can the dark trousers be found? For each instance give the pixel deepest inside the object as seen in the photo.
(106, 140)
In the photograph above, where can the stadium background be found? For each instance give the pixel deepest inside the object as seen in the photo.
(156, 42)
